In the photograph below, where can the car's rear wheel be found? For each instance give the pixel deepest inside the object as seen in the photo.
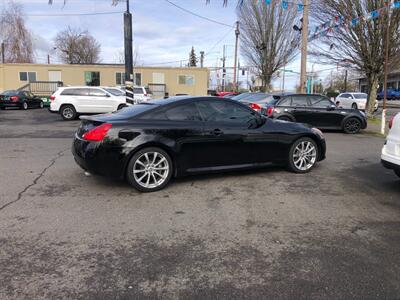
(303, 155)
(352, 126)
(41, 105)
(68, 112)
(24, 106)
(354, 106)
(284, 118)
(150, 169)
(121, 106)
(397, 172)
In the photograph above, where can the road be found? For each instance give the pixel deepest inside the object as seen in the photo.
(331, 234)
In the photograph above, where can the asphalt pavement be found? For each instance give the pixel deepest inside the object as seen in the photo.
(268, 234)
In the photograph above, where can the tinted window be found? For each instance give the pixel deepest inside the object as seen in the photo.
(320, 102)
(115, 92)
(97, 93)
(299, 101)
(137, 90)
(136, 109)
(241, 96)
(285, 101)
(184, 112)
(223, 111)
(257, 97)
(9, 93)
(346, 96)
(360, 96)
(75, 92)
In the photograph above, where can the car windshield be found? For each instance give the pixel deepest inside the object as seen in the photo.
(115, 92)
(360, 96)
(9, 93)
(241, 96)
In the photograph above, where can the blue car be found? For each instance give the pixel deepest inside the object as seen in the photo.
(392, 94)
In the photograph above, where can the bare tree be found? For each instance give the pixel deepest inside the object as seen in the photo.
(360, 43)
(17, 40)
(75, 46)
(268, 41)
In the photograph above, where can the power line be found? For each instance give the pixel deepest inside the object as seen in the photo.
(197, 15)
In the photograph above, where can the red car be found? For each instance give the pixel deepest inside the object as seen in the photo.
(223, 94)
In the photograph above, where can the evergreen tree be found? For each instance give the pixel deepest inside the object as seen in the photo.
(192, 58)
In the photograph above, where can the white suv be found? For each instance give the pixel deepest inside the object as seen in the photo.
(141, 94)
(354, 100)
(391, 150)
(74, 100)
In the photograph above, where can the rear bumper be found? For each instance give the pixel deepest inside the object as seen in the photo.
(98, 159)
(10, 104)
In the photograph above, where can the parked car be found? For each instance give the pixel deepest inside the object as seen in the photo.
(390, 156)
(230, 96)
(20, 99)
(319, 111)
(354, 101)
(141, 94)
(392, 94)
(261, 102)
(149, 143)
(223, 94)
(72, 101)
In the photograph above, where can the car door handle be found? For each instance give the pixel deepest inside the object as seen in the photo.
(216, 132)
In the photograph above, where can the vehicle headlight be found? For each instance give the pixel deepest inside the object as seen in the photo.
(318, 132)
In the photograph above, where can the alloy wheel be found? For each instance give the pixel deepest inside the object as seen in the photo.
(68, 113)
(352, 126)
(304, 155)
(41, 104)
(151, 169)
(25, 105)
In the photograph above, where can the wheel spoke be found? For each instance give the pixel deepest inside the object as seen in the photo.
(160, 161)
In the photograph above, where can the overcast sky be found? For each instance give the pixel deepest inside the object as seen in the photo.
(162, 32)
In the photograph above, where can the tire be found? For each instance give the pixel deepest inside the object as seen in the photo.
(352, 126)
(121, 106)
(284, 118)
(354, 106)
(397, 172)
(144, 174)
(41, 105)
(303, 155)
(68, 112)
(2, 108)
(24, 106)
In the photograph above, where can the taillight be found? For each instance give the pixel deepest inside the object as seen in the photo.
(52, 98)
(270, 111)
(145, 95)
(14, 98)
(98, 133)
(391, 122)
(255, 106)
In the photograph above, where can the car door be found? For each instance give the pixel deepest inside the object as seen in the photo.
(232, 135)
(324, 112)
(32, 99)
(101, 101)
(300, 108)
(78, 97)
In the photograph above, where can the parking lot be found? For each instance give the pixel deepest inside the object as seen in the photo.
(265, 234)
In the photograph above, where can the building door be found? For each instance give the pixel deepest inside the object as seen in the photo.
(55, 76)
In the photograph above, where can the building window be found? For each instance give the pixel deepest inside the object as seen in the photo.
(120, 78)
(138, 79)
(186, 79)
(27, 76)
(92, 78)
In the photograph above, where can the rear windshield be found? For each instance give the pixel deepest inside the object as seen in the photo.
(241, 96)
(257, 97)
(360, 96)
(115, 92)
(134, 110)
(9, 93)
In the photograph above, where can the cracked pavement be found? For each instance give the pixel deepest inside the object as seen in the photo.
(330, 234)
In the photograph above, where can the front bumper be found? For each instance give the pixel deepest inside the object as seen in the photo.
(97, 158)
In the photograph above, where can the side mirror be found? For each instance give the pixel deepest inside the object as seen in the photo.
(331, 107)
(108, 96)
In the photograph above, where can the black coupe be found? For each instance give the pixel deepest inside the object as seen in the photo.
(319, 111)
(151, 142)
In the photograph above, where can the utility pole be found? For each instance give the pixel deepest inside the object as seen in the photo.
(283, 78)
(383, 124)
(128, 54)
(48, 59)
(223, 69)
(237, 32)
(345, 80)
(3, 60)
(201, 59)
(304, 40)
(237, 77)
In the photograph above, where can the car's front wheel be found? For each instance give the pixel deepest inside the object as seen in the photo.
(68, 112)
(352, 126)
(150, 169)
(24, 106)
(354, 106)
(303, 155)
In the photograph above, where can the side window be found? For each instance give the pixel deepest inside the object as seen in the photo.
(322, 102)
(75, 92)
(345, 96)
(184, 112)
(299, 101)
(97, 93)
(223, 111)
(285, 101)
(137, 90)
